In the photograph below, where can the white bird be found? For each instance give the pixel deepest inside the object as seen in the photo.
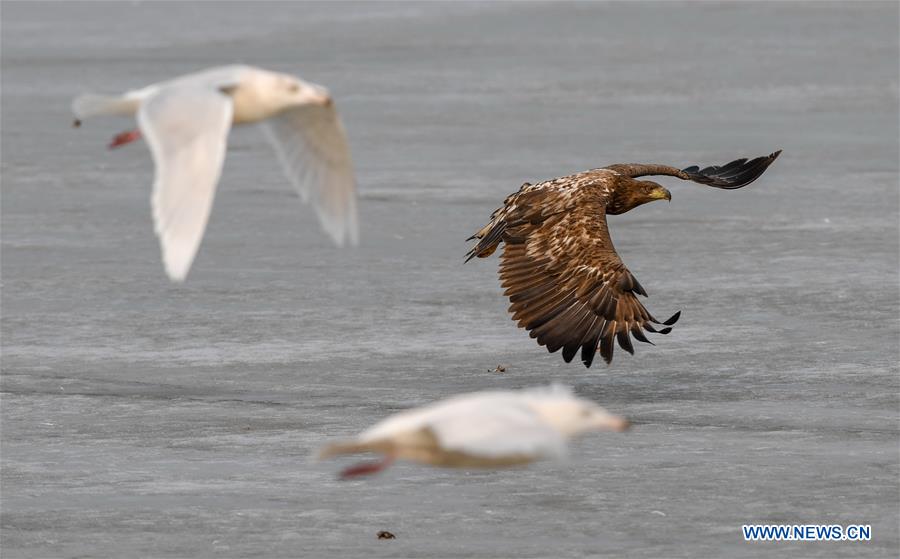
(186, 122)
(480, 430)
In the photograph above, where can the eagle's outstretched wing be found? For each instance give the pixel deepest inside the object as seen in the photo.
(733, 175)
(567, 285)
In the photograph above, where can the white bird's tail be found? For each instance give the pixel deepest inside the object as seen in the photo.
(89, 104)
(345, 447)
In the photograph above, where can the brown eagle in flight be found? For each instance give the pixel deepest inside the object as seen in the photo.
(567, 285)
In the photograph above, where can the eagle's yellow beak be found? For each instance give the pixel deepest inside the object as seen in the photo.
(661, 194)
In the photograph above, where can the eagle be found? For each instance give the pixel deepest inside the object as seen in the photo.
(566, 284)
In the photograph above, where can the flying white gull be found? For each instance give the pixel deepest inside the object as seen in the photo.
(480, 430)
(186, 122)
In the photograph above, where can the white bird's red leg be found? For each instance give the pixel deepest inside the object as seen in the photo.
(367, 468)
(124, 138)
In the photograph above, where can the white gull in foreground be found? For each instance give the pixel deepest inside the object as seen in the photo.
(186, 122)
(480, 430)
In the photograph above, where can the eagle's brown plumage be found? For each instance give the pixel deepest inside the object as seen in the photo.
(567, 285)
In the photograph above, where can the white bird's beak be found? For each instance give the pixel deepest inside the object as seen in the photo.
(321, 96)
(613, 423)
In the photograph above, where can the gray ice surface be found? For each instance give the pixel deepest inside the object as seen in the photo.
(145, 419)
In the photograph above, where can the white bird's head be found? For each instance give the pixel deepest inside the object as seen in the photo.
(262, 94)
(294, 91)
(570, 415)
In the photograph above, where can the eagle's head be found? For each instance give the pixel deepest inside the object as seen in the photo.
(633, 193)
(649, 191)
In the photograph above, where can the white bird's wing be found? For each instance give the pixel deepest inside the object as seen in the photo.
(488, 424)
(507, 430)
(186, 127)
(312, 146)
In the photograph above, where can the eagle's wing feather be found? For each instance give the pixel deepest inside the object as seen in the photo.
(566, 283)
(736, 174)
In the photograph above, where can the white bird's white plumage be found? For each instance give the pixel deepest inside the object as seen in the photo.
(487, 424)
(484, 429)
(186, 123)
(312, 147)
(188, 153)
